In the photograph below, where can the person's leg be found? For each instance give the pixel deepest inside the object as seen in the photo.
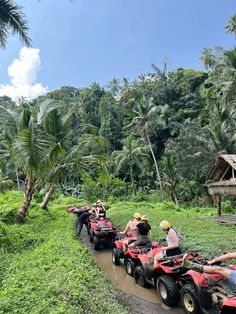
(79, 227)
(125, 245)
(224, 272)
(157, 257)
(87, 227)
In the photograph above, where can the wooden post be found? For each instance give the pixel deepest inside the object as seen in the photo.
(218, 204)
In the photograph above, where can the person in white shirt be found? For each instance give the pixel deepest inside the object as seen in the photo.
(173, 242)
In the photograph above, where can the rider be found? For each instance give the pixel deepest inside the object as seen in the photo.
(131, 230)
(144, 233)
(223, 271)
(173, 242)
(101, 208)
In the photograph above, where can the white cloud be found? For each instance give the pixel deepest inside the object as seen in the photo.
(23, 73)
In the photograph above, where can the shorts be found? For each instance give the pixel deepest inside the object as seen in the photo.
(131, 241)
(142, 241)
(172, 252)
(232, 277)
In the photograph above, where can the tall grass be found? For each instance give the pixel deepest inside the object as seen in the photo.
(45, 269)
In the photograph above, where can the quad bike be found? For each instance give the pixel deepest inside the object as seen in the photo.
(131, 257)
(164, 276)
(207, 293)
(102, 232)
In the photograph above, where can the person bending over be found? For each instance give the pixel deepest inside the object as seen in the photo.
(83, 219)
(223, 271)
(132, 230)
(144, 233)
(173, 242)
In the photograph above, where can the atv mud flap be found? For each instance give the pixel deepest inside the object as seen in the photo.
(205, 301)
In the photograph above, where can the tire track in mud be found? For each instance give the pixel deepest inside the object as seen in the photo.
(137, 300)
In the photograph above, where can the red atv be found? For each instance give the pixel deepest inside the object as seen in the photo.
(102, 232)
(207, 293)
(131, 257)
(164, 277)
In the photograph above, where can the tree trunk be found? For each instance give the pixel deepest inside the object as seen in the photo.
(47, 197)
(17, 179)
(155, 163)
(132, 179)
(29, 190)
(174, 198)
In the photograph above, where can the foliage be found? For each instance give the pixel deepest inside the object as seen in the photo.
(159, 134)
(6, 185)
(44, 269)
(12, 19)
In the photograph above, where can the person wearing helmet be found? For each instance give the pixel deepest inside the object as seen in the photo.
(101, 208)
(144, 233)
(173, 240)
(131, 230)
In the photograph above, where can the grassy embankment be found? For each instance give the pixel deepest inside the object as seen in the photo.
(199, 233)
(44, 269)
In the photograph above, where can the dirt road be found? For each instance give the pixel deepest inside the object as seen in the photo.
(136, 299)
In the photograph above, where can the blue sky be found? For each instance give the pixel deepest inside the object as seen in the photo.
(84, 41)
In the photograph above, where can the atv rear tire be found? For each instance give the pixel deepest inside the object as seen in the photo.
(115, 257)
(91, 235)
(96, 242)
(139, 277)
(190, 300)
(130, 266)
(167, 289)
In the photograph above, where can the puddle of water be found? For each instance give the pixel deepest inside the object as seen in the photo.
(122, 281)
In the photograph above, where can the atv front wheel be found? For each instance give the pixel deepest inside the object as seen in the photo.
(139, 277)
(189, 299)
(167, 289)
(96, 242)
(129, 266)
(115, 256)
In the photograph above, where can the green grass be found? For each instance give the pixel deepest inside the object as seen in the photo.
(44, 269)
(199, 233)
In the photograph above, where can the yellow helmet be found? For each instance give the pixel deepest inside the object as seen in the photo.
(98, 201)
(164, 224)
(137, 216)
(144, 217)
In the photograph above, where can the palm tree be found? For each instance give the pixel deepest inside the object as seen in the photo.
(223, 80)
(114, 86)
(207, 58)
(231, 27)
(129, 156)
(12, 19)
(144, 116)
(66, 157)
(171, 177)
(27, 145)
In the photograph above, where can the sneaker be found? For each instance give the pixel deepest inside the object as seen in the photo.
(185, 262)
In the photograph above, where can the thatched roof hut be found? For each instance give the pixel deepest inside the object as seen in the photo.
(222, 178)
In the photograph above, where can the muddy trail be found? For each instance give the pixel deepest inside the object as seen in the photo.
(136, 299)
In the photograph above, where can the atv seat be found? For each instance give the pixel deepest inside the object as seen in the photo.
(141, 248)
